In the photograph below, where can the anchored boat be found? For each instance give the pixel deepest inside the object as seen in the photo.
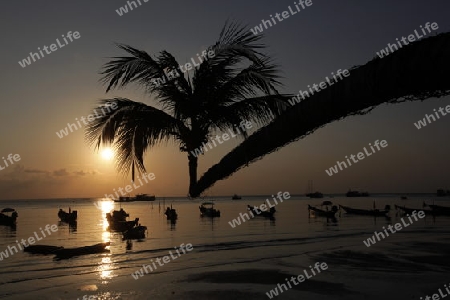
(366, 212)
(68, 217)
(207, 210)
(8, 216)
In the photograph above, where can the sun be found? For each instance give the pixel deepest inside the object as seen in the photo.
(107, 154)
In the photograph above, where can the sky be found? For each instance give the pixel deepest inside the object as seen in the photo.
(40, 99)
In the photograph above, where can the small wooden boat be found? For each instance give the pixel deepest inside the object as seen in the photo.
(8, 216)
(71, 252)
(328, 213)
(68, 217)
(123, 225)
(42, 249)
(135, 233)
(63, 253)
(366, 212)
(265, 214)
(117, 215)
(171, 214)
(207, 210)
(405, 210)
(438, 210)
(404, 198)
(117, 220)
(236, 197)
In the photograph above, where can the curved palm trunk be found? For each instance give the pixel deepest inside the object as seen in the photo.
(193, 162)
(416, 72)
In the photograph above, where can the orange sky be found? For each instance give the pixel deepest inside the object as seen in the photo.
(42, 98)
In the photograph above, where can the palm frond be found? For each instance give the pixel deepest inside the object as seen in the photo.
(133, 128)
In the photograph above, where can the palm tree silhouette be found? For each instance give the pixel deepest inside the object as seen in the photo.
(238, 84)
(416, 72)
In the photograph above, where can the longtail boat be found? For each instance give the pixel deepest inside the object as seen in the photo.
(328, 213)
(438, 210)
(8, 216)
(265, 214)
(407, 210)
(207, 210)
(68, 217)
(366, 212)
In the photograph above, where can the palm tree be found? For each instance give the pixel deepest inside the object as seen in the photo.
(238, 84)
(416, 72)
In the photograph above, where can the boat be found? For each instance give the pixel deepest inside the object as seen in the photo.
(138, 197)
(351, 193)
(8, 216)
(124, 199)
(42, 249)
(137, 232)
(68, 217)
(207, 210)
(117, 216)
(144, 197)
(117, 220)
(404, 198)
(71, 252)
(63, 253)
(314, 195)
(442, 193)
(236, 197)
(366, 212)
(320, 212)
(438, 210)
(310, 190)
(406, 210)
(265, 214)
(171, 214)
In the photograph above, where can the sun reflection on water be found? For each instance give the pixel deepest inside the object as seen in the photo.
(106, 269)
(106, 266)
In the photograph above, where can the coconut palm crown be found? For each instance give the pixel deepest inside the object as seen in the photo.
(239, 83)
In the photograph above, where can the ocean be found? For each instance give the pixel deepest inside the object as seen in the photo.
(244, 262)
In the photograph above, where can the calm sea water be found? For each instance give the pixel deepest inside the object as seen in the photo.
(254, 239)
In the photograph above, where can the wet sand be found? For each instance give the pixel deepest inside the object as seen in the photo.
(391, 269)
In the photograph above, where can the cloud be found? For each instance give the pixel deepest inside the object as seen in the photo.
(61, 172)
(36, 171)
(84, 173)
(19, 182)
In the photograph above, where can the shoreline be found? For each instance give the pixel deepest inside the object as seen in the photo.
(416, 263)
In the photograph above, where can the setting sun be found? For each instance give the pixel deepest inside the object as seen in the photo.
(107, 153)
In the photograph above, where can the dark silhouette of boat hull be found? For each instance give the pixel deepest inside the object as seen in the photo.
(171, 214)
(209, 212)
(351, 193)
(265, 214)
(315, 195)
(366, 212)
(438, 210)
(323, 213)
(63, 253)
(8, 220)
(135, 233)
(68, 217)
(42, 249)
(406, 210)
(72, 252)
